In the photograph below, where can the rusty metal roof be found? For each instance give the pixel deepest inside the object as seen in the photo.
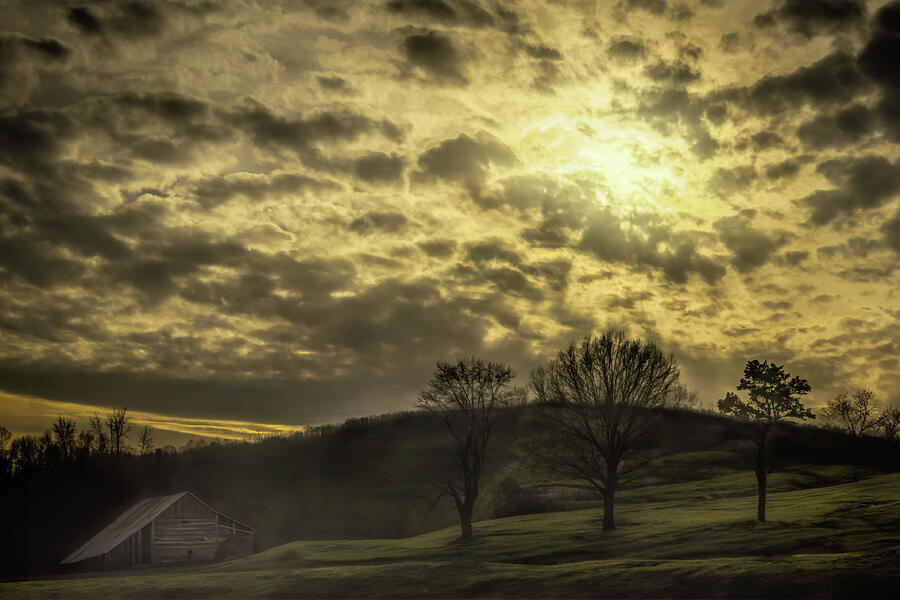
(129, 523)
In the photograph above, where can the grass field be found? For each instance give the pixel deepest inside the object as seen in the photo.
(696, 539)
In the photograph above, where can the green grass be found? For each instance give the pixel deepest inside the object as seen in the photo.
(696, 539)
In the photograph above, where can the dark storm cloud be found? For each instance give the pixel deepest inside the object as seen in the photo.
(795, 257)
(302, 134)
(726, 182)
(167, 106)
(625, 49)
(542, 52)
(30, 139)
(218, 190)
(750, 247)
(332, 83)
(846, 126)
(435, 54)
(862, 182)
(783, 169)
(656, 7)
(82, 18)
(677, 72)
(833, 80)
(378, 167)
(41, 264)
(389, 222)
(879, 61)
(492, 250)
(891, 231)
(763, 140)
(135, 19)
(665, 107)
(463, 160)
(612, 240)
(814, 17)
(449, 12)
(438, 248)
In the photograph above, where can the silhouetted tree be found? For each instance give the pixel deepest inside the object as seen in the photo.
(890, 423)
(681, 397)
(145, 442)
(24, 452)
(99, 430)
(64, 438)
(857, 414)
(597, 400)
(118, 424)
(464, 395)
(772, 396)
(84, 444)
(5, 462)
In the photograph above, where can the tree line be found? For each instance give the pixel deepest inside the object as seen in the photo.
(595, 403)
(63, 444)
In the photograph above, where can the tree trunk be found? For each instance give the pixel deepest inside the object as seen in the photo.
(761, 480)
(465, 519)
(609, 499)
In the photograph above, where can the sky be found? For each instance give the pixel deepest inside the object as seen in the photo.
(233, 216)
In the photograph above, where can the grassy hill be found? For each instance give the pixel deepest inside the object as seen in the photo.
(692, 539)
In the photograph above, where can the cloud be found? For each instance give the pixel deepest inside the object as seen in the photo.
(302, 135)
(214, 191)
(678, 72)
(463, 159)
(625, 49)
(438, 248)
(82, 18)
(878, 61)
(656, 7)
(389, 222)
(862, 182)
(612, 240)
(815, 17)
(750, 247)
(783, 169)
(842, 128)
(726, 182)
(378, 167)
(435, 54)
(450, 12)
(891, 230)
(833, 80)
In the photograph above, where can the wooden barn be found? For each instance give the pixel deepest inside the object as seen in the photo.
(165, 529)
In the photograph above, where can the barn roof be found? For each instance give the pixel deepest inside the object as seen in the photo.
(129, 523)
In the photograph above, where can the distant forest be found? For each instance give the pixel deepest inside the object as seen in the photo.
(373, 477)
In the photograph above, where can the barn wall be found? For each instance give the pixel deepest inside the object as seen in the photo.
(184, 539)
(239, 544)
(185, 531)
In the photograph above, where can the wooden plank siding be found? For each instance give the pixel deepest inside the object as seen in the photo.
(184, 539)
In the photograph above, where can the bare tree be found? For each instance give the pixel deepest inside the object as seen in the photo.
(145, 442)
(98, 428)
(890, 423)
(118, 424)
(5, 461)
(464, 395)
(772, 396)
(597, 399)
(681, 397)
(857, 415)
(64, 438)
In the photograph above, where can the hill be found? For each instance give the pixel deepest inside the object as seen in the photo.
(374, 478)
(839, 540)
